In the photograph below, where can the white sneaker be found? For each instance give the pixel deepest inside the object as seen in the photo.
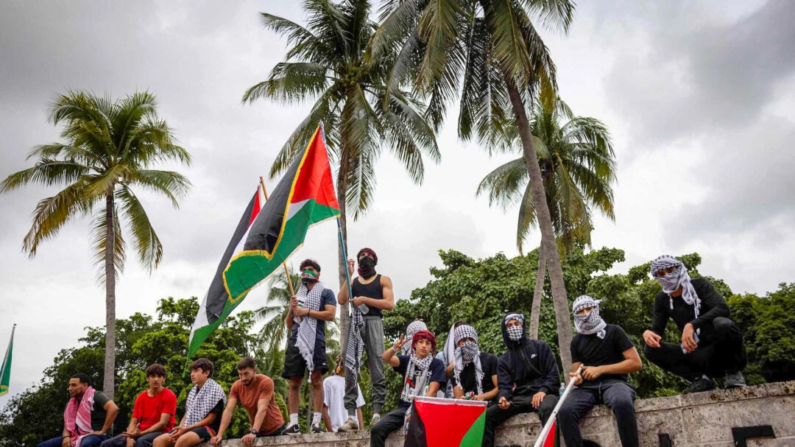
(349, 425)
(376, 418)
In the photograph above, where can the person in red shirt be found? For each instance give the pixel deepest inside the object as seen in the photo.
(153, 413)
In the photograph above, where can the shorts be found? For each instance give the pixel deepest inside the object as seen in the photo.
(278, 432)
(294, 363)
(204, 433)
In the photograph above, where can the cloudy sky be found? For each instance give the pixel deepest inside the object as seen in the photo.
(699, 97)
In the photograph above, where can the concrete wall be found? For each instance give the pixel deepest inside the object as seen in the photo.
(696, 420)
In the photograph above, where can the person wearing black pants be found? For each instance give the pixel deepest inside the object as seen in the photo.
(528, 378)
(606, 355)
(712, 344)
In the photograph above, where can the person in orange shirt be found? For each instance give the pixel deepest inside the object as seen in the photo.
(255, 393)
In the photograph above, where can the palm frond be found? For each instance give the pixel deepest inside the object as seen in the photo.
(147, 244)
(99, 242)
(53, 212)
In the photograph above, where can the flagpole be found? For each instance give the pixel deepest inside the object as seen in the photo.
(553, 415)
(284, 263)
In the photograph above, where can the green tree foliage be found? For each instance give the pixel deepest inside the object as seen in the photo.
(37, 413)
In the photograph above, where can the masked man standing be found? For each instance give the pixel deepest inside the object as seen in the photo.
(712, 344)
(372, 294)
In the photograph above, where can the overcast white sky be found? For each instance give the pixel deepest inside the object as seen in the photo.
(699, 97)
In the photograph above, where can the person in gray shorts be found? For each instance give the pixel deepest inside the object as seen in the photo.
(373, 292)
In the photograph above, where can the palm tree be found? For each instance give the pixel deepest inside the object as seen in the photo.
(578, 168)
(492, 51)
(107, 151)
(326, 62)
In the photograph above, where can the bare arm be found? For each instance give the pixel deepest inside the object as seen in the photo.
(458, 393)
(386, 303)
(226, 418)
(449, 370)
(390, 358)
(326, 315)
(493, 393)
(342, 297)
(262, 411)
(132, 425)
(112, 410)
(433, 388)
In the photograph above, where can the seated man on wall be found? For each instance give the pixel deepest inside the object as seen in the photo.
(88, 415)
(153, 412)
(334, 412)
(203, 410)
(474, 372)
(423, 375)
(313, 305)
(712, 344)
(255, 392)
(607, 355)
(528, 378)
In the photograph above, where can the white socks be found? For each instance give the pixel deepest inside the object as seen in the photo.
(293, 419)
(316, 418)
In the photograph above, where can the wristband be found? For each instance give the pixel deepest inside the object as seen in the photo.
(253, 432)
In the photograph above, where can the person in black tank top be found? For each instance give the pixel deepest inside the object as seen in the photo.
(375, 292)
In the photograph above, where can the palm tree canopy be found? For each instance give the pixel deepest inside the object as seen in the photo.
(108, 150)
(577, 165)
(326, 63)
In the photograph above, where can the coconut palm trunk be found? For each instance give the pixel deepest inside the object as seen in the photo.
(548, 246)
(538, 294)
(110, 300)
(343, 262)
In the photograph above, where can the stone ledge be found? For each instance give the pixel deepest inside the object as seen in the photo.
(694, 420)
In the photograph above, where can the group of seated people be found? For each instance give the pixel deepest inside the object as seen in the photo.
(524, 379)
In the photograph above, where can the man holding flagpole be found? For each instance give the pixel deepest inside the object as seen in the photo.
(372, 294)
(606, 355)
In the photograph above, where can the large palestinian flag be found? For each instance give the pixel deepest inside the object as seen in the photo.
(304, 197)
(446, 423)
(216, 305)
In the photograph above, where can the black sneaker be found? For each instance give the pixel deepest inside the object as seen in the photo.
(734, 380)
(700, 385)
(316, 428)
(292, 430)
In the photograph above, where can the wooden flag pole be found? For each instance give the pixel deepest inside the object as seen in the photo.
(286, 271)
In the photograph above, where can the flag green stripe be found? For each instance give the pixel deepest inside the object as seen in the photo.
(201, 334)
(250, 268)
(5, 372)
(474, 436)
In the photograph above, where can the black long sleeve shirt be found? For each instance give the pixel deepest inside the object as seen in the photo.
(712, 306)
(542, 376)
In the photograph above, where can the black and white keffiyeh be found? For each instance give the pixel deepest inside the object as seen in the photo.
(355, 347)
(467, 353)
(673, 281)
(417, 374)
(411, 329)
(591, 323)
(514, 332)
(201, 401)
(307, 329)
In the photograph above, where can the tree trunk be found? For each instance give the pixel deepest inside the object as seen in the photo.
(545, 224)
(110, 299)
(343, 263)
(538, 294)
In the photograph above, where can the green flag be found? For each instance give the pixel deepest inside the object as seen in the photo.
(5, 370)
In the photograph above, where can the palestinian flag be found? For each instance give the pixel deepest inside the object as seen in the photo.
(304, 197)
(216, 305)
(438, 422)
(5, 369)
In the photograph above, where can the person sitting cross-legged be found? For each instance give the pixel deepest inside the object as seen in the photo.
(88, 416)
(153, 412)
(423, 375)
(527, 375)
(474, 372)
(203, 410)
(607, 355)
(712, 344)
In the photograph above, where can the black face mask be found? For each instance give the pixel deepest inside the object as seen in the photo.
(367, 262)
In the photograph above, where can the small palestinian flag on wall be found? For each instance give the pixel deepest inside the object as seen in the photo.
(446, 423)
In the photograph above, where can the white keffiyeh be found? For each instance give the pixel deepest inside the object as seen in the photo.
(591, 323)
(411, 329)
(307, 329)
(673, 281)
(466, 354)
(355, 347)
(417, 374)
(201, 402)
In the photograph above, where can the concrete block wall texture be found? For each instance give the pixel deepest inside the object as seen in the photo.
(695, 420)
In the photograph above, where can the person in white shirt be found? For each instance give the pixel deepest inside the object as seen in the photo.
(334, 412)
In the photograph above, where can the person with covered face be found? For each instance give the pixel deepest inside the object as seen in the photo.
(528, 378)
(372, 295)
(313, 305)
(423, 375)
(606, 355)
(711, 343)
(474, 372)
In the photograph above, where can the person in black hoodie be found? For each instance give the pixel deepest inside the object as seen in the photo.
(528, 378)
(606, 355)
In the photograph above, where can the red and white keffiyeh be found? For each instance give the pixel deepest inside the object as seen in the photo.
(77, 416)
